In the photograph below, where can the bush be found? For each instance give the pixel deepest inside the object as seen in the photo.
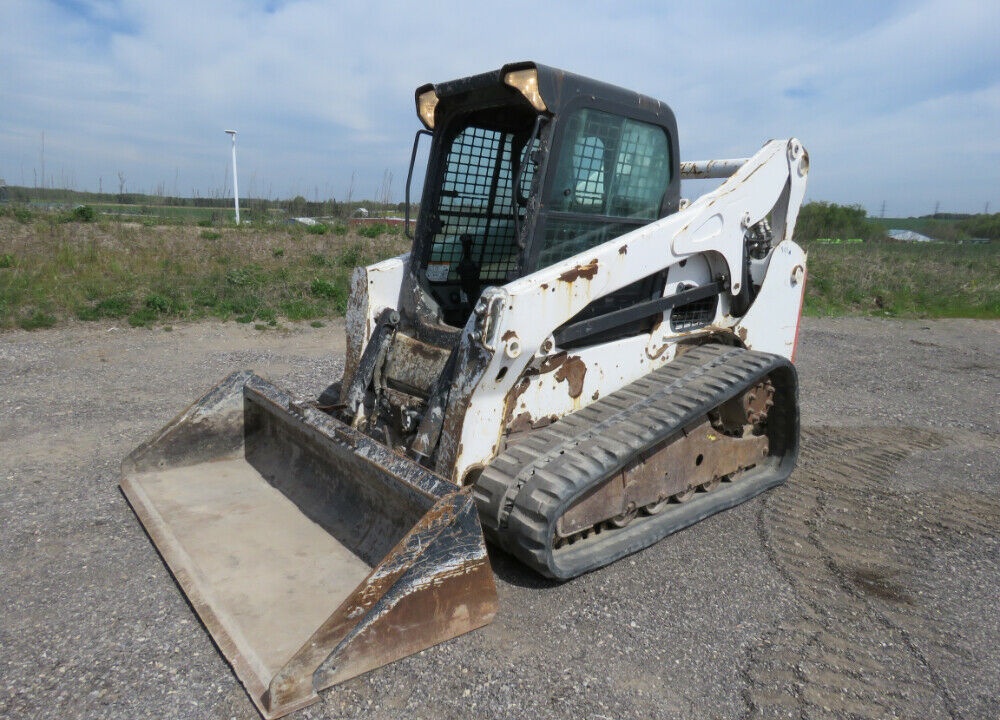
(351, 257)
(6, 261)
(372, 231)
(323, 288)
(819, 220)
(250, 276)
(18, 212)
(982, 226)
(142, 317)
(84, 213)
(115, 306)
(300, 309)
(336, 291)
(317, 229)
(36, 320)
(166, 302)
(157, 303)
(210, 235)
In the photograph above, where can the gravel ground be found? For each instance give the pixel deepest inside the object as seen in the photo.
(865, 587)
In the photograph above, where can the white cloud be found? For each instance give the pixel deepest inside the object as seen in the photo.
(896, 102)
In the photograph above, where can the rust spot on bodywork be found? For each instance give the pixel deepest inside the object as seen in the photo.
(623, 250)
(510, 403)
(653, 356)
(520, 423)
(597, 394)
(518, 390)
(573, 372)
(508, 335)
(523, 421)
(544, 422)
(587, 272)
(550, 364)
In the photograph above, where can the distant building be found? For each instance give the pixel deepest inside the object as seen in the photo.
(909, 236)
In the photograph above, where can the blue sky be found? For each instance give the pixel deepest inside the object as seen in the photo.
(897, 102)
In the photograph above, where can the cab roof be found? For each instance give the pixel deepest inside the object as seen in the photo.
(556, 87)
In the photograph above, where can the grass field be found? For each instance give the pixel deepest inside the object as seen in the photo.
(163, 214)
(933, 280)
(51, 271)
(57, 266)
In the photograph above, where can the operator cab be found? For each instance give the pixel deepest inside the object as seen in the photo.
(530, 165)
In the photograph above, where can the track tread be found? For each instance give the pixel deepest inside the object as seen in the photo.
(519, 509)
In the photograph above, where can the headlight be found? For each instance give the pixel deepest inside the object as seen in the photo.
(526, 82)
(426, 103)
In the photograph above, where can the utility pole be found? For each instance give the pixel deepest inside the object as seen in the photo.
(937, 205)
(236, 191)
(883, 210)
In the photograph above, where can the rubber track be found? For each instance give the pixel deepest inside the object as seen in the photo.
(522, 494)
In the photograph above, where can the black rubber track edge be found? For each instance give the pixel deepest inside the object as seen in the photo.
(526, 489)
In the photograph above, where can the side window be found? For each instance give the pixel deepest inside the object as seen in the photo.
(610, 167)
(642, 172)
(588, 173)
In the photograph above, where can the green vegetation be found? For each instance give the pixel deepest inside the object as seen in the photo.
(159, 208)
(375, 229)
(83, 213)
(820, 221)
(77, 264)
(35, 320)
(882, 277)
(52, 271)
(904, 280)
(982, 226)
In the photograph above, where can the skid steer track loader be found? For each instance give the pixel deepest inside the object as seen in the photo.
(572, 362)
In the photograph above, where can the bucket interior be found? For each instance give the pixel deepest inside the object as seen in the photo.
(268, 542)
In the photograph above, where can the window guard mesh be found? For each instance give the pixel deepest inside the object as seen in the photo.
(476, 198)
